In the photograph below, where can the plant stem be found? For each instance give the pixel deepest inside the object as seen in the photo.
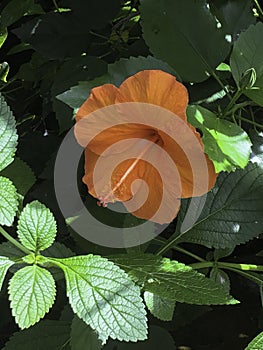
(259, 8)
(221, 84)
(250, 122)
(232, 102)
(182, 250)
(14, 242)
(242, 267)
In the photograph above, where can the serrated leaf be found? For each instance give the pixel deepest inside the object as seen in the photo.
(159, 307)
(8, 201)
(173, 280)
(36, 227)
(226, 144)
(10, 250)
(26, 178)
(3, 35)
(247, 53)
(8, 135)
(83, 337)
(233, 212)
(256, 343)
(175, 32)
(32, 292)
(45, 335)
(102, 295)
(5, 263)
(220, 277)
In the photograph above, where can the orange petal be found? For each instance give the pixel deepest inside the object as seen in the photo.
(100, 97)
(155, 87)
(197, 173)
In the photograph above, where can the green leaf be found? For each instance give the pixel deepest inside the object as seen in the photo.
(83, 337)
(247, 53)
(8, 201)
(5, 263)
(10, 250)
(236, 15)
(226, 144)
(8, 135)
(117, 73)
(36, 227)
(220, 277)
(103, 296)
(16, 9)
(45, 335)
(159, 307)
(173, 280)
(158, 336)
(26, 178)
(126, 67)
(256, 343)
(32, 292)
(233, 212)
(179, 32)
(3, 35)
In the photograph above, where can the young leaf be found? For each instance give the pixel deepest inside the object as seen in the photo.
(103, 296)
(247, 53)
(36, 227)
(185, 49)
(32, 292)
(83, 337)
(45, 335)
(226, 144)
(159, 307)
(8, 201)
(26, 178)
(220, 277)
(256, 343)
(233, 212)
(8, 135)
(5, 263)
(173, 280)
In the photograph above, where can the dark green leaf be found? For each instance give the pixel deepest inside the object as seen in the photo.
(247, 53)
(180, 33)
(220, 277)
(5, 263)
(233, 212)
(26, 178)
(45, 335)
(173, 280)
(83, 337)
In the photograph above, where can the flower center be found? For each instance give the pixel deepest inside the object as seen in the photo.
(120, 185)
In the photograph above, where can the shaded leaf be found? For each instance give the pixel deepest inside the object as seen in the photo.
(193, 29)
(46, 334)
(220, 277)
(247, 53)
(32, 292)
(83, 337)
(159, 307)
(36, 227)
(26, 178)
(233, 212)
(173, 280)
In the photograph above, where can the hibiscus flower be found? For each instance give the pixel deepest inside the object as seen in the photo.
(148, 155)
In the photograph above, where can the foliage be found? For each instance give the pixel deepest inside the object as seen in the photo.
(67, 292)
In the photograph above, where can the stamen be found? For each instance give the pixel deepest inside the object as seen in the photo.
(110, 197)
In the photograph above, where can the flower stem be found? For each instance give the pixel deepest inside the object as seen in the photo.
(14, 242)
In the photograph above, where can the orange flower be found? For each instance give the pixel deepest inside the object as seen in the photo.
(139, 135)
